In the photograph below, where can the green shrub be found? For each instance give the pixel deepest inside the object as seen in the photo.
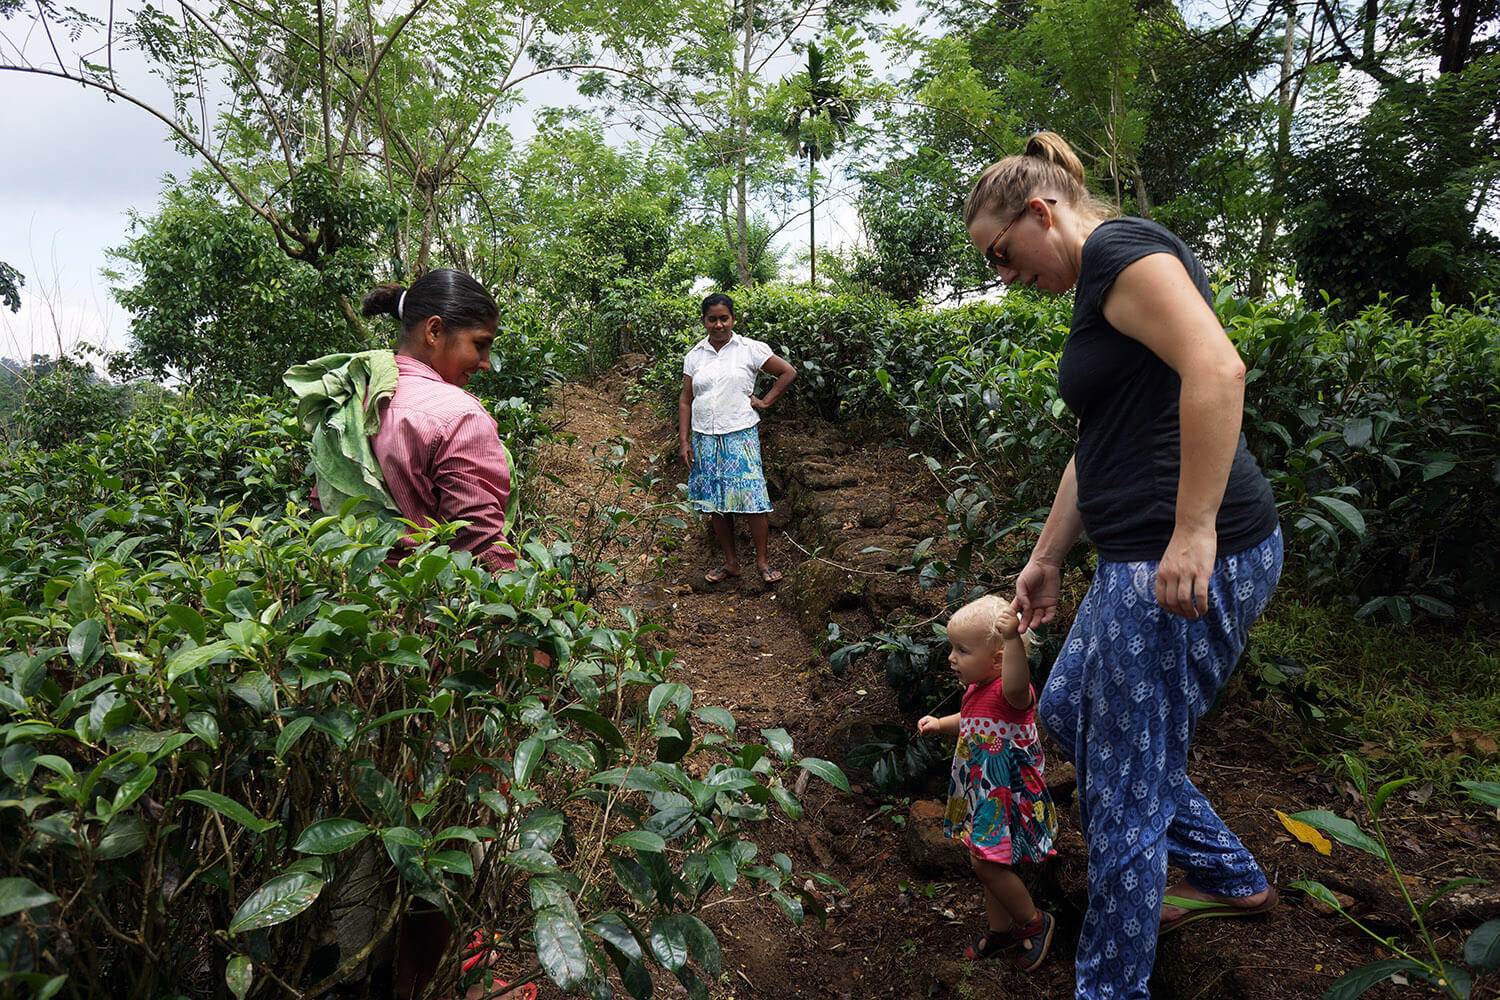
(49, 402)
(220, 716)
(1381, 438)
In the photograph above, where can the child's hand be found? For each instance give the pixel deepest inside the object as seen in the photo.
(928, 724)
(1008, 623)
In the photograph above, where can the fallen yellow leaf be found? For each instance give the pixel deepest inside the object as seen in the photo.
(1305, 833)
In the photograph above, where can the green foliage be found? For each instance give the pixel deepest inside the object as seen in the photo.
(219, 714)
(69, 401)
(1412, 700)
(1386, 210)
(11, 281)
(217, 302)
(898, 758)
(50, 401)
(1379, 437)
(1481, 951)
(720, 265)
(917, 243)
(936, 130)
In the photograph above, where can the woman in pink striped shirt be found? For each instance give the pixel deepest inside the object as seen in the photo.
(439, 449)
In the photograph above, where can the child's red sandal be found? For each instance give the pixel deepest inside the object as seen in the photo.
(996, 943)
(1035, 939)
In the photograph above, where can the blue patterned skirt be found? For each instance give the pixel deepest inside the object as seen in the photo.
(726, 477)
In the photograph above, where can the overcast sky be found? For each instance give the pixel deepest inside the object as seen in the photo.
(76, 164)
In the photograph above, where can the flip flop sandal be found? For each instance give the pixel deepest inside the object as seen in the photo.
(770, 575)
(718, 575)
(1198, 909)
(1035, 943)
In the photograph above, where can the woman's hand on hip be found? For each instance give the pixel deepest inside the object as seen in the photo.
(1182, 575)
(759, 404)
(1037, 587)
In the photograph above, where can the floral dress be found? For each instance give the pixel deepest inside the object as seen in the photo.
(997, 801)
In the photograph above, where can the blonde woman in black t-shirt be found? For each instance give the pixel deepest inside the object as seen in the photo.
(1189, 551)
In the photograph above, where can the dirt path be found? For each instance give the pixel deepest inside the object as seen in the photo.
(909, 904)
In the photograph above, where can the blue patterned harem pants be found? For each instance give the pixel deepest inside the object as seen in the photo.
(1122, 702)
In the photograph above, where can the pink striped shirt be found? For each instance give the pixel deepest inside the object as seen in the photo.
(441, 457)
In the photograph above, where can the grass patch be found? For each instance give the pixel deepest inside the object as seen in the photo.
(1407, 702)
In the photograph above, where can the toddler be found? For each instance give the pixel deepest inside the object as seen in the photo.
(997, 803)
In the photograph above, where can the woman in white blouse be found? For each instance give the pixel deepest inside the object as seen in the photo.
(717, 415)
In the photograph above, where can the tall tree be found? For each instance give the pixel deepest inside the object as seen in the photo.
(937, 123)
(819, 117)
(1391, 194)
(721, 63)
(313, 95)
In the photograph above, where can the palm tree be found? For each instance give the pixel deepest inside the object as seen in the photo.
(818, 120)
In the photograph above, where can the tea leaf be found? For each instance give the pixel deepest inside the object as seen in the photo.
(239, 974)
(330, 836)
(1340, 829)
(668, 943)
(227, 807)
(17, 894)
(558, 934)
(83, 641)
(640, 840)
(1482, 950)
(780, 741)
(278, 901)
(827, 770)
(1305, 833)
(1484, 792)
(1356, 982)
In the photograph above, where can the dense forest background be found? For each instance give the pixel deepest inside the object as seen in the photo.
(1345, 151)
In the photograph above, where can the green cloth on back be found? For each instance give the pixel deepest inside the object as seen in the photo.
(338, 403)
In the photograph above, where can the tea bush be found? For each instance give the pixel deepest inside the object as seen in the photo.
(1381, 437)
(240, 749)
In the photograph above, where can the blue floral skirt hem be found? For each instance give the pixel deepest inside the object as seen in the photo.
(726, 477)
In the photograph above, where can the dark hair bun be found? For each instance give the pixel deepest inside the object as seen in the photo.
(382, 300)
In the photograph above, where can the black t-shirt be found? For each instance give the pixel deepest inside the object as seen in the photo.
(1129, 435)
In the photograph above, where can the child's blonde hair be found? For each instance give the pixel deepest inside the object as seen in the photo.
(983, 613)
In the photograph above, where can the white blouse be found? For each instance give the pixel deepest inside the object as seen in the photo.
(723, 382)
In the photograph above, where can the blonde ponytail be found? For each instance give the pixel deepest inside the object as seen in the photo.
(1048, 164)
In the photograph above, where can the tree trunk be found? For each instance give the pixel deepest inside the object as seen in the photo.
(1142, 196)
(812, 220)
(741, 161)
(1281, 160)
(351, 317)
